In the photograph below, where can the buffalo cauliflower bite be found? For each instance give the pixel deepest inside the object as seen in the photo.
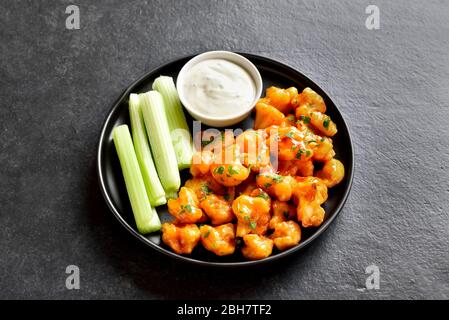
(311, 99)
(255, 153)
(296, 168)
(219, 240)
(311, 188)
(204, 186)
(256, 247)
(217, 209)
(229, 175)
(253, 214)
(323, 149)
(281, 98)
(310, 193)
(267, 115)
(282, 211)
(290, 143)
(201, 162)
(310, 213)
(280, 187)
(186, 208)
(227, 168)
(332, 173)
(286, 235)
(320, 121)
(182, 239)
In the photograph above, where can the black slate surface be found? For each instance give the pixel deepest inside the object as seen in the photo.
(56, 86)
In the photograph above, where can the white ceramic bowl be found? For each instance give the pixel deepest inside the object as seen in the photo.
(228, 120)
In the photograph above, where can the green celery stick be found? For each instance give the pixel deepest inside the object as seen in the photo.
(160, 141)
(155, 191)
(146, 217)
(179, 130)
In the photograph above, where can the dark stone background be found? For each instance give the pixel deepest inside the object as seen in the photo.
(57, 86)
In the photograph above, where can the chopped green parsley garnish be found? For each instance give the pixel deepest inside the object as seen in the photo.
(206, 142)
(205, 188)
(232, 170)
(289, 135)
(263, 195)
(219, 170)
(305, 119)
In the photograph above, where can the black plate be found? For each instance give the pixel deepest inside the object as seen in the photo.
(273, 73)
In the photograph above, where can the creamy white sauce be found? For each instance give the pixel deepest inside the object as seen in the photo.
(219, 88)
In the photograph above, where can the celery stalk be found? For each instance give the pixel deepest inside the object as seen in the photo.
(155, 192)
(146, 217)
(179, 130)
(158, 132)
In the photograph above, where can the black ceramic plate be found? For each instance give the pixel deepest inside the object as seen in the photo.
(273, 73)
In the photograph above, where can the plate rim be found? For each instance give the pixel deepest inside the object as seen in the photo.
(321, 229)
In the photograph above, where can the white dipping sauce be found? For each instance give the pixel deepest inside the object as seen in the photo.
(218, 87)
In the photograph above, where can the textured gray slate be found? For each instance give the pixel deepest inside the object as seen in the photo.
(56, 86)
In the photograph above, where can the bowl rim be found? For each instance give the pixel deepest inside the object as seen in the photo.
(233, 57)
(321, 229)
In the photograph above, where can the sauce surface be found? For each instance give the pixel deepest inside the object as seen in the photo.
(219, 87)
